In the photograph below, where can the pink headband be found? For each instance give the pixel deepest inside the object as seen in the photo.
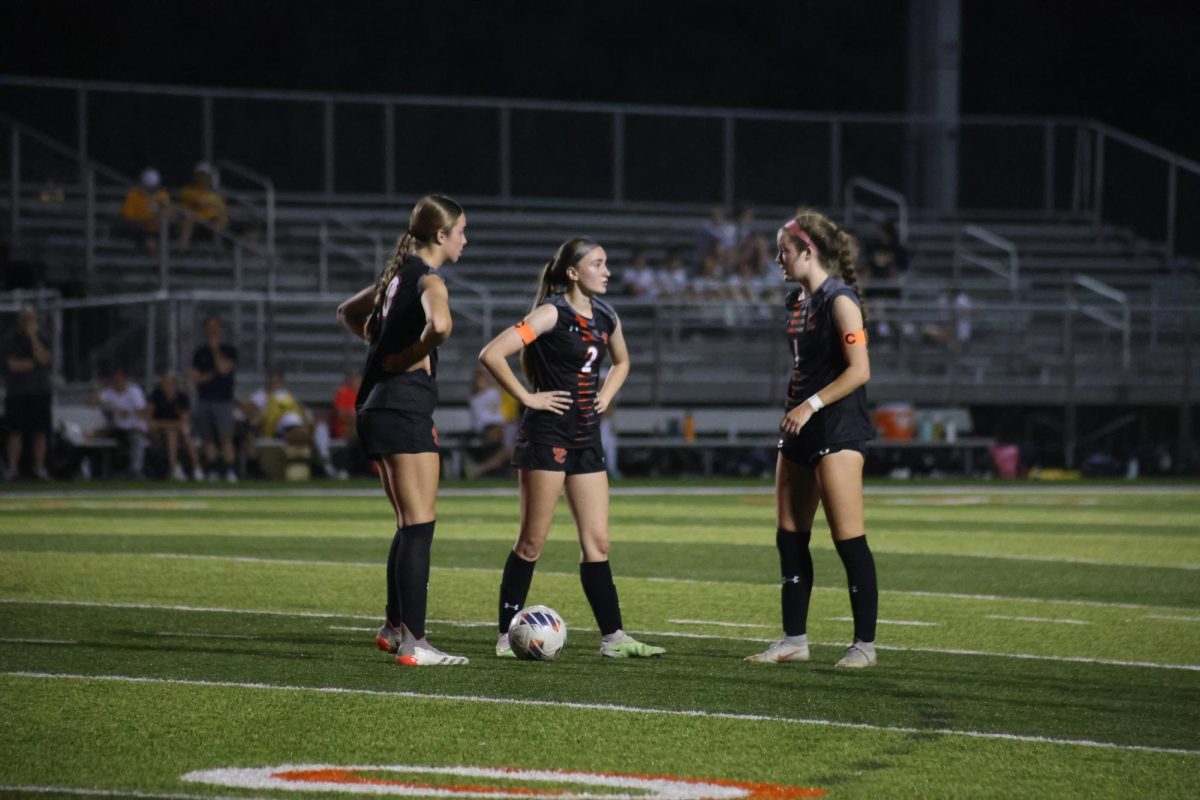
(793, 227)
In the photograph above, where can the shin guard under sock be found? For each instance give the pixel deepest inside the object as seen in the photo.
(514, 588)
(601, 593)
(864, 592)
(796, 573)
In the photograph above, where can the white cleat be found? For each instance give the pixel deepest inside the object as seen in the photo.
(429, 656)
(859, 655)
(780, 652)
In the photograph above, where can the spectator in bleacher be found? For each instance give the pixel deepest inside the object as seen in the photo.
(213, 373)
(673, 280)
(202, 202)
(640, 279)
(169, 413)
(275, 413)
(825, 431)
(404, 317)
(751, 255)
(28, 396)
(887, 257)
(563, 341)
(495, 430)
(715, 242)
(343, 424)
(146, 208)
(953, 326)
(124, 405)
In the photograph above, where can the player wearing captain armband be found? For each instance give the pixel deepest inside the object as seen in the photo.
(825, 431)
(563, 342)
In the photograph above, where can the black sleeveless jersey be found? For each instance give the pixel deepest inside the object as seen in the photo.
(568, 358)
(818, 359)
(401, 325)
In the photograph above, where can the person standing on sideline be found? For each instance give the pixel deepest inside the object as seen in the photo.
(565, 338)
(28, 396)
(212, 373)
(170, 416)
(404, 317)
(825, 431)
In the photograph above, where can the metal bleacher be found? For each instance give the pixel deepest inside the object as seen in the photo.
(1094, 312)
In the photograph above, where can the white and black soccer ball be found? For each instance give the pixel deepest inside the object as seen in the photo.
(537, 633)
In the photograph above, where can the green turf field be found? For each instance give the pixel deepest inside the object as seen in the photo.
(1033, 642)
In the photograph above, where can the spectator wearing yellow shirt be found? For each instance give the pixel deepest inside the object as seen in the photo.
(202, 202)
(146, 207)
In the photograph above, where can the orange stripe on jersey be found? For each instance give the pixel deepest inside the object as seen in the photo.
(855, 337)
(526, 333)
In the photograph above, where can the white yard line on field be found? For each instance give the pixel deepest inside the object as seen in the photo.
(912, 622)
(85, 792)
(8, 640)
(692, 581)
(525, 702)
(677, 634)
(1173, 618)
(718, 624)
(1039, 619)
(206, 635)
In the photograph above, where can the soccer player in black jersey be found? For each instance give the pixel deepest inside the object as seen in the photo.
(404, 316)
(825, 430)
(565, 338)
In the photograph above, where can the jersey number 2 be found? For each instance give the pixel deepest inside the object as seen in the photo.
(592, 355)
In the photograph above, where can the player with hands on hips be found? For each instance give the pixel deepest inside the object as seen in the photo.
(563, 342)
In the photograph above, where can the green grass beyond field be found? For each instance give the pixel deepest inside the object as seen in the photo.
(1033, 642)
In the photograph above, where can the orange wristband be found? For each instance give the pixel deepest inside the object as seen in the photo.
(855, 337)
(525, 332)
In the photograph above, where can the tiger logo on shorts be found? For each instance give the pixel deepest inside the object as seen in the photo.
(560, 455)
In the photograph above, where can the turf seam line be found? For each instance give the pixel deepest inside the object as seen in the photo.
(609, 707)
(87, 792)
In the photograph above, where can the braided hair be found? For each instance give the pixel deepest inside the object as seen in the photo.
(835, 247)
(432, 214)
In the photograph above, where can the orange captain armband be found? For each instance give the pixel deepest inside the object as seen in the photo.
(525, 332)
(855, 337)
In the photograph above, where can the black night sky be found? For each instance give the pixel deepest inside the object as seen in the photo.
(1131, 65)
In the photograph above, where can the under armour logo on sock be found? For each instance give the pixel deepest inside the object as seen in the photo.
(791, 578)
(513, 606)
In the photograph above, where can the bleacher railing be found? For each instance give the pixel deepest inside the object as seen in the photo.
(380, 146)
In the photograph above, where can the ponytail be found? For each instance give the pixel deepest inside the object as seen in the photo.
(432, 214)
(554, 280)
(404, 247)
(836, 248)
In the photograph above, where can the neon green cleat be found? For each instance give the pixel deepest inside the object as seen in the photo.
(503, 648)
(628, 647)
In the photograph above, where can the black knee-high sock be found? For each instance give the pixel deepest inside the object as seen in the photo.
(413, 570)
(514, 587)
(601, 593)
(864, 592)
(796, 572)
(393, 609)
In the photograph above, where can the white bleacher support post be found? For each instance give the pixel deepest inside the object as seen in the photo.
(835, 160)
(505, 152)
(728, 161)
(618, 156)
(1172, 193)
(1048, 168)
(89, 246)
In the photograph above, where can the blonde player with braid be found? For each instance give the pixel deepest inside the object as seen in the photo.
(404, 316)
(825, 431)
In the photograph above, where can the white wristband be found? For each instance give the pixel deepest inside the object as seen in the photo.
(815, 402)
